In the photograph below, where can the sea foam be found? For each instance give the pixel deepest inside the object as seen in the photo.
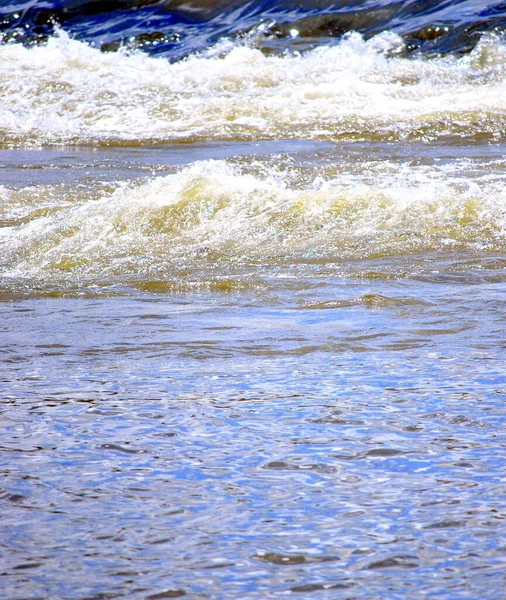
(216, 213)
(66, 91)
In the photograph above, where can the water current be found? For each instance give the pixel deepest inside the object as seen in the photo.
(252, 284)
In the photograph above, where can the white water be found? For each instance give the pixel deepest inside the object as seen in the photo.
(67, 91)
(229, 214)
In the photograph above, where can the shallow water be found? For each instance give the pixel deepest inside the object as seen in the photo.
(251, 427)
(252, 305)
(238, 446)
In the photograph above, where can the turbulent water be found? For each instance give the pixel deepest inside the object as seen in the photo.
(252, 282)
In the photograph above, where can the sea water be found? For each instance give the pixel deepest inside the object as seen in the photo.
(252, 284)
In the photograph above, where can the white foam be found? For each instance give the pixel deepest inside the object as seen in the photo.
(66, 90)
(213, 208)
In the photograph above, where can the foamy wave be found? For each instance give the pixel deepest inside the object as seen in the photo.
(67, 91)
(214, 213)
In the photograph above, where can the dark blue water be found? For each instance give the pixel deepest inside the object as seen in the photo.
(177, 28)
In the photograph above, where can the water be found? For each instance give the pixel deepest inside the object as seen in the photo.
(252, 282)
(176, 28)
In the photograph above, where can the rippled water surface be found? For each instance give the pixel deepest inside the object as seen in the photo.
(247, 447)
(252, 300)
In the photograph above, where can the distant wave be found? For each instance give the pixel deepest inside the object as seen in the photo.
(176, 28)
(68, 92)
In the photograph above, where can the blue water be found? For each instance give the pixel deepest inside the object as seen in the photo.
(225, 449)
(243, 366)
(176, 29)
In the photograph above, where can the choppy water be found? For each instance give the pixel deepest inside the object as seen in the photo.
(252, 282)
